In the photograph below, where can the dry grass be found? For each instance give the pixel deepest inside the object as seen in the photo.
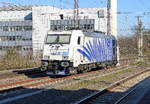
(13, 60)
(103, 81)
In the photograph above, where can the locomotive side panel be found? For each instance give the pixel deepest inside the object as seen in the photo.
(98, 51)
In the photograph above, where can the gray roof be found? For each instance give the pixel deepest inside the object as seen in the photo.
(15, 8)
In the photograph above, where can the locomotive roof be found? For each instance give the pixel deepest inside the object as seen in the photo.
(98, 35)
(60, 32)
(89, 34)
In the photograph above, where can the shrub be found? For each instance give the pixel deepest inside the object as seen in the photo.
(13, 60)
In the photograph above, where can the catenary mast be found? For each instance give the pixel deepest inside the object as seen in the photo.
(112, 21)
(76, 14)
(112, 17)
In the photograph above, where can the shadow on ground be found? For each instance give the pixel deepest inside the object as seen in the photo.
(34, 73)
(31, 73)
(57, 96)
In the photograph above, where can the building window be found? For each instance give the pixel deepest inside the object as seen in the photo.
(15, 28)
(27, 27)
(5, 28)
(0, 47)
(18, 28)
(1, 28)
(18, 38)
(5, 48)
(11, 28)
(10, 38)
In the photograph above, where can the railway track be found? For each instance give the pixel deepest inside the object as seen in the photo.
(137, 94)
(42, 88)
(30, 73)
(60, 90)
(36, 82)
(125, 96)
(92, 97)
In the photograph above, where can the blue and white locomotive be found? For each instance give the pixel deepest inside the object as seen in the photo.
(74, 51)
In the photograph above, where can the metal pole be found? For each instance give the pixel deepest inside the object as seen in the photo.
(140, 39)
(76, 14)
(108, 17)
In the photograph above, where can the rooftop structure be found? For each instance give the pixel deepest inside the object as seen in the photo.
(15, 8)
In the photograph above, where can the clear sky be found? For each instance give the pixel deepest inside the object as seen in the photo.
(125, 20)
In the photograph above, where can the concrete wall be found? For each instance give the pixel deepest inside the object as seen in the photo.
(113, 17)
(14, 15)
(41, 16)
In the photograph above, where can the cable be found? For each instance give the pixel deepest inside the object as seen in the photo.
(125, 27)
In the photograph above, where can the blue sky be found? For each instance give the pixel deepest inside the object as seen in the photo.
(137, 8)
(125, 21)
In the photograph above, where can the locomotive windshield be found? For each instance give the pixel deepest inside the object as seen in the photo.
(58, 39)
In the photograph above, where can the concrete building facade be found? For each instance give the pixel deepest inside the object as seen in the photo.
(25, 27)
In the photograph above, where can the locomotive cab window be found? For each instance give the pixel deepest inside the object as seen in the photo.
(79, 40)
(58, 39)
(114, 42)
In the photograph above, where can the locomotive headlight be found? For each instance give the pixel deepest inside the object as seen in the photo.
(45, 63)
(64, 64)
(46, 57)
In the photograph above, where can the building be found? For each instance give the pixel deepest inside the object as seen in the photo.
(25, 27)
(16, 28)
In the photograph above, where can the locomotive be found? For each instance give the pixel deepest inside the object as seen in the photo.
(74, 51)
